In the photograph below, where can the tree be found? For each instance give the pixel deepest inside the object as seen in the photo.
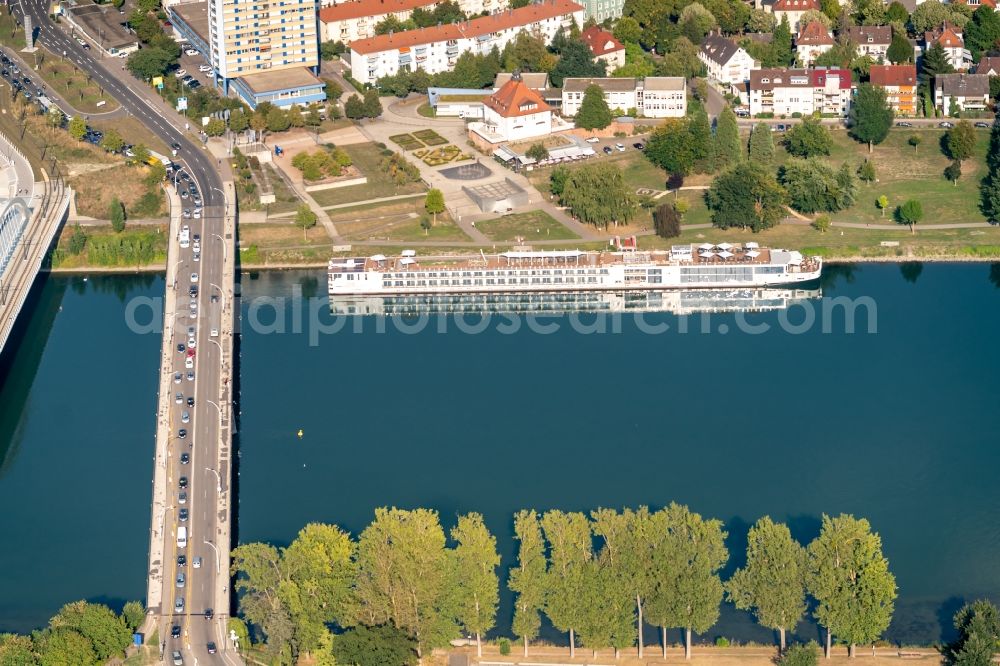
(817, 16)
(689, 590)
(77, 128)
(782, 54)
(476, 583)
(354, 108)
(116, 213)
(305, 219)
(866, 171)
(914, 141)
(56, 647)
(882, 202)
(149, 63)
(215, 127)
(332, 89)
(106, 632)
(537, 152)
(141, 154)
(557, 181)
(627, 30)
(953, 172)
(77, 241)
(372, 104)
(929, 15)
(17, 650)
(897, 14)
(598, 194)
(594, 112)
(112, 141)
(808, 139)
(978, 625)
(773, 583)
(982, 32)
(374, 646)
(434, 203)
(133, 614)
(570, 553)
(404, 576)
(667, 221)
(746, 196)
(669, 147)
(960, 141)
(934, 62)
(871, 115)
(761, 144)
(900, 50)
(990, 197)
(850, 578)
(576, 60)
(695, 22)
(392, 24)
(527, 580)
(526, 53)
(700, 138)
(278, 120)
(330, 49)
(728, 148)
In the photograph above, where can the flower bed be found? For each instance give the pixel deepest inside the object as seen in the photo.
(439, 156)
(406, 141)
(430, 137)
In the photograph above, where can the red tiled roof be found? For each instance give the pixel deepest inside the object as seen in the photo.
(975, 3)
(949, 37)
(600, 42)
(514, 99)
(814, 34)
(988, 64)
(795, 5)
(781, 77)
(467, 29)
(893, 75)
(358, 8)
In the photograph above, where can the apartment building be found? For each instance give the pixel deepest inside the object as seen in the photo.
(962, 92)
(900, 85)
(652, 97)
(602, 10)
(792, 10)
(264, 50)
(872, 40)
(436, 49)
(726, 61)
(356, 19)
(951, 40)
(785, 92)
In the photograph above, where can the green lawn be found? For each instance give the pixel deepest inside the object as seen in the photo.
(366, 158)
(638, 171)
(430, 137)
(426, 110)
(394, 221)
(533, 225)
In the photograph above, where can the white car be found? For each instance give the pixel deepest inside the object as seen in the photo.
(205, 68)
(593, 139)
(180, 73)
(189, 363)
(196, 563)
(214, 333)
(620, 147)
(191, 52)
(194, 278)
(192, 343)
(80, 41)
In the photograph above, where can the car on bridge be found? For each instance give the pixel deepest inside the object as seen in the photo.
(177, 658)
(179, 605)
(175, 631)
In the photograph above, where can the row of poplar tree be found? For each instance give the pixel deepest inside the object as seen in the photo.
(600, 578)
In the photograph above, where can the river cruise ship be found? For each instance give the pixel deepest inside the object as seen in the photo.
(704, 266)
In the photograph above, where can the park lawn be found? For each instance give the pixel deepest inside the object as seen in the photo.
(366, 158)
(394, 221)
(283, 235)
(430, 137)
(426, 110)
(70, 82)
(533, 225)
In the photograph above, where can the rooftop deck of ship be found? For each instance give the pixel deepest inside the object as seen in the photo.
(730, 254)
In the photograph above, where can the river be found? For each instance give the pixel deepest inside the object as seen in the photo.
(897, 426)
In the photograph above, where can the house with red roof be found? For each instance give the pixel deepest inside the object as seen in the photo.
(950, 38)
(781, 91)
(604, 46)
(813, 41)
(900, 85)
(513, 113)
(437, 48)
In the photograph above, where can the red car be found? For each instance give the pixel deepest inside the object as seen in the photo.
(190, 352)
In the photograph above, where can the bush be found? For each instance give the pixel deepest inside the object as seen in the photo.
(800, 655)
(721, 641)
(821, 223)
(504, 645)
(77, 241)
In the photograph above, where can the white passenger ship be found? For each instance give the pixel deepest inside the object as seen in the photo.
(704, 266)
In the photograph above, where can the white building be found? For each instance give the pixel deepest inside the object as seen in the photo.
(604, 46)
(436, 49)
(652, 97)
(792, 10)
(969, 92)
(513, 113)
(356, 19)
(952, 42)
(784, 92)
(726, 61)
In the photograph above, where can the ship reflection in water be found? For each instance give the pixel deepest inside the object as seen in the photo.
(681, 302)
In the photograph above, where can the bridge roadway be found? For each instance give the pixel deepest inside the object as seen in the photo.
(48, 204)
(209, 445)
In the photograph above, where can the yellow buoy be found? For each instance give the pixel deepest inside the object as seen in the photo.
(300, 433)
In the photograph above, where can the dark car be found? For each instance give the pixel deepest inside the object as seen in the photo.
(182, 433)
(183, 482)
(193, 290)
(210, 647)
(185, 459)
(190, 401)
(780, 127)
(982, 124)
(175, 631)
(607, 150)
(175, 146)
(183, 515)
(182, 561)
(638, 146)
(181, 348)
(903, 123)
(209, 614)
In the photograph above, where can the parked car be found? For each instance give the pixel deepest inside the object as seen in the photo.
(191, 52)
(903, 123)
(607, 150)
(180, 73)
(638, 146)
(592, 139)
(946, 125)
(620, 147)
(982, 124)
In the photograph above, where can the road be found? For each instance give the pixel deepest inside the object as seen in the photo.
(202, 442)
